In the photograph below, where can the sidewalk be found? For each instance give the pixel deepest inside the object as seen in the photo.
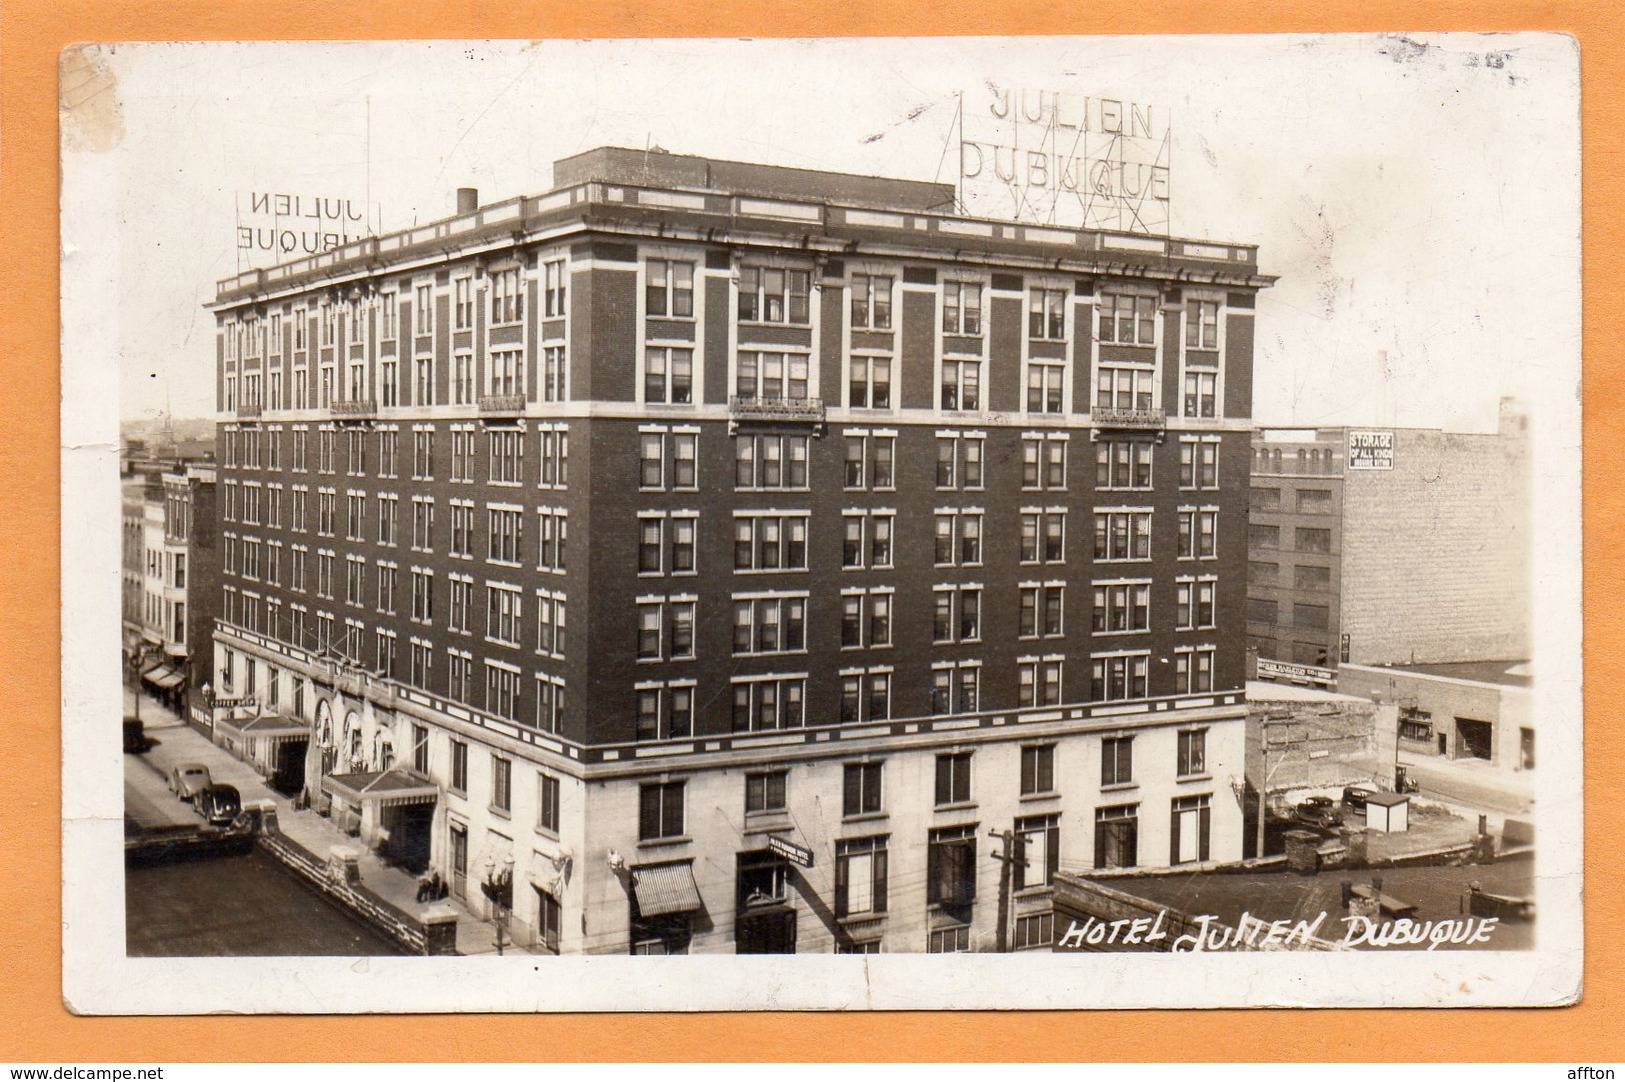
(175, 742)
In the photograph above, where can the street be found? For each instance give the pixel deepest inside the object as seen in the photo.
(1471, 784)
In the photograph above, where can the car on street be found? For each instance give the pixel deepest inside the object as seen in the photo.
(1354, 796)
(218, 804)
(187, 779)
(1318, 811)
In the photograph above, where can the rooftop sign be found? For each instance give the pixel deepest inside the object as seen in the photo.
(1371, 450)
(1064, 158)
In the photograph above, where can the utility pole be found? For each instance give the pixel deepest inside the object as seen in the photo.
(1014, 852)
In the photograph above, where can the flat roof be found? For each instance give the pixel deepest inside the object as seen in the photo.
(1515, 674)
(1266, 691)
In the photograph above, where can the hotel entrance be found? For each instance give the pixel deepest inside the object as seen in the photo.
(765, 922)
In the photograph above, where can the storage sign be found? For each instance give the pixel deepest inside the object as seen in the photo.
(1371, 450)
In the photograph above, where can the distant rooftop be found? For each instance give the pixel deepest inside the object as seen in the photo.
(1267, 691)
(1516, 674)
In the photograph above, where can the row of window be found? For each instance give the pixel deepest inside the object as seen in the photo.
(503, 453)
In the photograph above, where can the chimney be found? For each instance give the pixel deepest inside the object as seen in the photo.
(468, 200)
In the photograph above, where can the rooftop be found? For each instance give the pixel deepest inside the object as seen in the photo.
(1515, 674)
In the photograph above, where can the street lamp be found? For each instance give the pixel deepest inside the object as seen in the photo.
(497, 885)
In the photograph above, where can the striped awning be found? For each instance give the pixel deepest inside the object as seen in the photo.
(665, 888)
(386, 788)
(163, 677)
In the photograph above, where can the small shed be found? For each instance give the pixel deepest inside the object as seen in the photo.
(1388, 813)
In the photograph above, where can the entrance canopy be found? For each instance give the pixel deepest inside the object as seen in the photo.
(163, 677)
(270, 727)
(666, 888)
(385, 788)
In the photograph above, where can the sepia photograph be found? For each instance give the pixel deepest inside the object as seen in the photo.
(589, 511)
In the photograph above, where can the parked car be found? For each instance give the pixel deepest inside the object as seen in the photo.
(187, 779)
(218, 804)
(1354, 797)
(1318, 811)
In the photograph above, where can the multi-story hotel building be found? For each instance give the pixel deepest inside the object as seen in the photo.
(711, 556)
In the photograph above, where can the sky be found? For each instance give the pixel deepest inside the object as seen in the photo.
(1418, 197)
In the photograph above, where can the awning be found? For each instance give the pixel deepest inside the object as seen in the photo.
(386, 788)
(274, 727)
(163, 677)
(665, 888)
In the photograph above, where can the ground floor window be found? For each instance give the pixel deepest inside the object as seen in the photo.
(1034, 931)
(954, 940)
(548, 915)
(867, 946)
(668, 934)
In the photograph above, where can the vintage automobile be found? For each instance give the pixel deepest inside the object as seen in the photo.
(218, 804)
(187, 779)
(1354, 797)
(1318, 811)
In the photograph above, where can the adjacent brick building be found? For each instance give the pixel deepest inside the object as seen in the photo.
(710, 556)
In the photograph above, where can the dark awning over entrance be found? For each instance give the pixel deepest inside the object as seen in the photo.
(386, 788)
(666, 888)
(163, 677)
(271, 727)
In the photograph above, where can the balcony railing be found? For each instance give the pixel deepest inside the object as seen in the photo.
(502, 405)
(1105, 417)
(356, 408)
(751, 408)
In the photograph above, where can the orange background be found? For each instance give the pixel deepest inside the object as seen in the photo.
(34, 1026)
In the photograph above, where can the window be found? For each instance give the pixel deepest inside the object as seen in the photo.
(1123, 535)
(552, 531)
(1199, 464)
(871, 301)
(1124, 388)
(868, 382)
(668, 288)
(1038, 851)
(865, 696)
(962, 309)
(502, 612)
(1262, 536)
(388, 516)
(766, 792)
(1122, 606)
(422, 454)
(959, 461)
(951, 867)
(1043, 536)
(777, 463)
(1307, 577)
(958, 614)
(1119, 677)
(1034, 931)
(1043, 463)
(462, 529)
(766, 543)
(1117, 836)
(549, 703)
(1037, 769)
(1189, 830)
(1313, 540)
(1040, 611)
(773, 295)
(505, 527)
(771, 376)
(660, 810)
(463, 304)
(860, 877)
(553, 452)
(1201, 324)
(955, 687)
(1193, 670)
(1046, 314)
(1038, 681)
(422, 523)
(953, 778)
(1314, 501)
(1123, 464)
(549, 919)
(501, 783)
(1312, 617)
(1117, 760)
(667, 460)
(1046, 383)
(326, 511)
(861, 786)
(768, 703)
(547, 803)
(507, 455)
(869, 460)
(866, 618)
(961, 384)
(665, 629)
(553, 377)
(1201, 394)
(422, 595)
(1128, 320)
(507, 299)
(553, 289)
(770, 625)
(1197, 532)
(955, 940)
(668, 375)
(550, 623)
(1194, 603)
(355, 573)
(502, 691)
(422, 662)
(958, 537)
(1192, 752)
(665, 710)
(459, 766)
(420, 749)
(867, 539)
